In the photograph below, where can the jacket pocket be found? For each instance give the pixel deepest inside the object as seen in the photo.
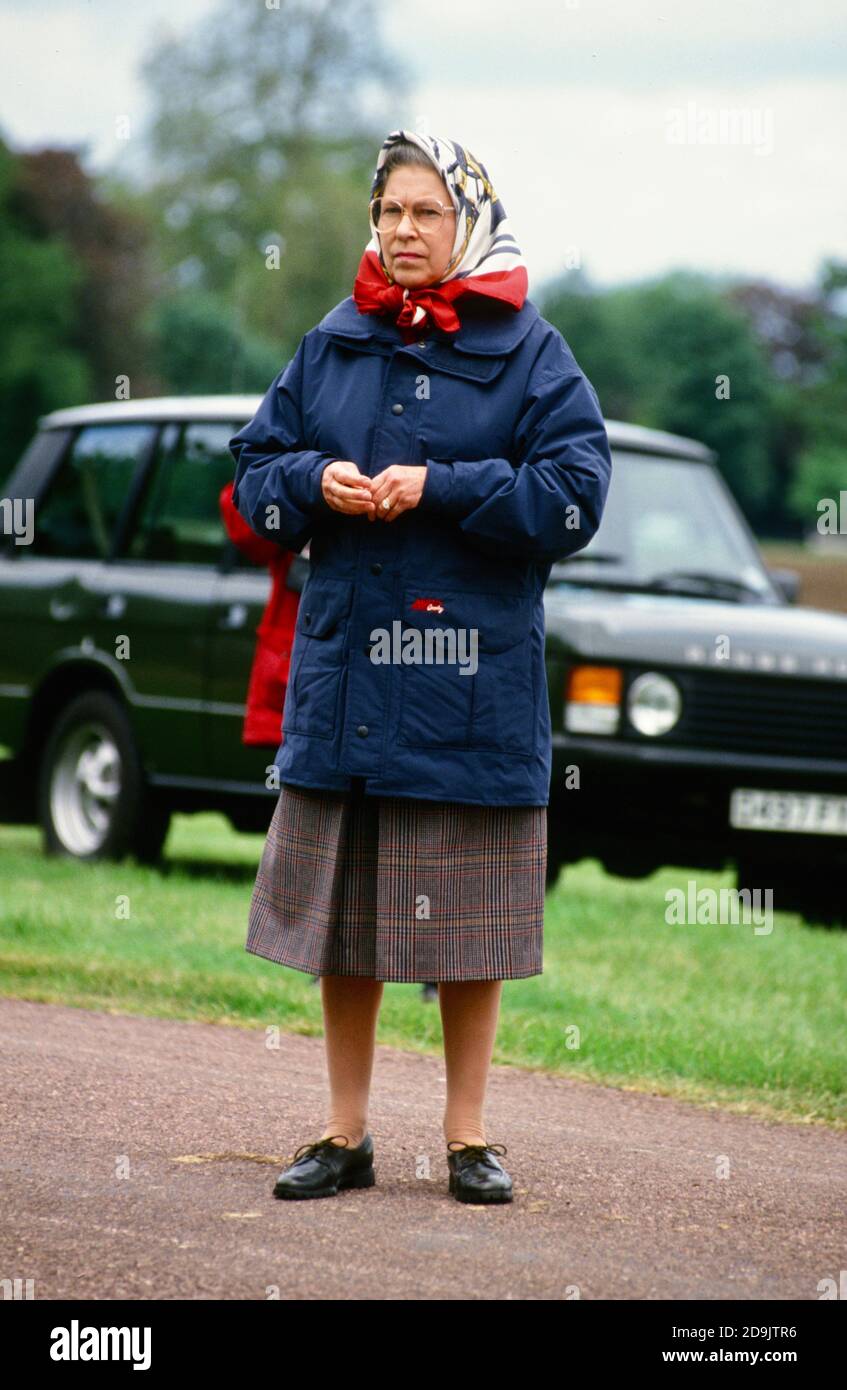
(467, 683)
(503, 713)
(317, 658)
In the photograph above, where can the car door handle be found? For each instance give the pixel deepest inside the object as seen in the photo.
(114, 606)
(297, 574)
(61, 610)
(235, 617)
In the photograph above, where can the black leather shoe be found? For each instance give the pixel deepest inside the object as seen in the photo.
(476, 1175)
(320, 1169)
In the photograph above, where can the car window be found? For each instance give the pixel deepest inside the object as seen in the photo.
(665, 514)
(78, 517)
(236, 557)
(179, 520)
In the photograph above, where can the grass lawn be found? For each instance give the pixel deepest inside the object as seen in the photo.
(716, 1014)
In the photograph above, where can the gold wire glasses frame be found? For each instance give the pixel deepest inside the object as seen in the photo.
(426, 214)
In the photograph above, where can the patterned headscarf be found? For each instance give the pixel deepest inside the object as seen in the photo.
(486, 259)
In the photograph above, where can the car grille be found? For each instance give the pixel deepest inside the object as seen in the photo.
(750, 714)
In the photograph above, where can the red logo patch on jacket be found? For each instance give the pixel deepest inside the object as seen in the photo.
(429, 605)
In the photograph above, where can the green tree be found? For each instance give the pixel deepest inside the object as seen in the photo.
(821, 466)
(671, 353)
(109, 243)
(584, 317)
(42, 363)
(821, 473)
(199, 349)
(264, 137)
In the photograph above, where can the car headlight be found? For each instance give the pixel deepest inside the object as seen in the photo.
(654, 704)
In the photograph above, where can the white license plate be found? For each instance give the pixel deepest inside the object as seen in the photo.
(810, 813)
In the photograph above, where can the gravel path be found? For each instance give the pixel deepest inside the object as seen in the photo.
(139, 1154)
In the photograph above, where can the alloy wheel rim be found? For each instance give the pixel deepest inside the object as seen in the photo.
(85, 787)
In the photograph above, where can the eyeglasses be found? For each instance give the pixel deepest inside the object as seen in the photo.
(426, 214)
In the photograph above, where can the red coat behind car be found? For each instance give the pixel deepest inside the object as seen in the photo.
(275, 633)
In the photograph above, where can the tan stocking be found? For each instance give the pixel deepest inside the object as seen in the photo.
(350, 1009)
(469, 1013)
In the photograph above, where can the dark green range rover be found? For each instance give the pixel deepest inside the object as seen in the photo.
(698, 716)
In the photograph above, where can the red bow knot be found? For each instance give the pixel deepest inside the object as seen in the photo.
(373, 294)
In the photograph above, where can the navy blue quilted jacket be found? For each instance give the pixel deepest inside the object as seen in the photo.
(418, 659)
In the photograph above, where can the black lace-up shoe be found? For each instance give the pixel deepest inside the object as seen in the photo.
(476, 1175)
(322, 1168)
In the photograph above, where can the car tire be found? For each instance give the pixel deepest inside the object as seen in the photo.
(554, 868)
(93, 801)
(803, 889)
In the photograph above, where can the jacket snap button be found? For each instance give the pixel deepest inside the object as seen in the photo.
(362, 731)
(376, 567)
(398, 409)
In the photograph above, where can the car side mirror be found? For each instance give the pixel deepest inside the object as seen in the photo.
(297, 573)
(788, 582)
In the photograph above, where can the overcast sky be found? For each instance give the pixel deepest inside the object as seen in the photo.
(628, 136)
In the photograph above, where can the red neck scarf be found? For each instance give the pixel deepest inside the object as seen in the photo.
(374, 293)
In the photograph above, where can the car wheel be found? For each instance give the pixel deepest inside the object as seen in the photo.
(796, 888)
(92, 799)
(623, 865)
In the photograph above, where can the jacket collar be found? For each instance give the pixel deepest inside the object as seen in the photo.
(483, 332)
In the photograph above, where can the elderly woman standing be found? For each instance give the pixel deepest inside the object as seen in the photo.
(435, 440)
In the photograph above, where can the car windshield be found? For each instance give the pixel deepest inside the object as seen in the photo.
(669, 526)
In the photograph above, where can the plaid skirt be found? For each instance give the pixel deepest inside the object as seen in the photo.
(399, 889)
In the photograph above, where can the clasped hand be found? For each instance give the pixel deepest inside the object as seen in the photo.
(347, 490)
